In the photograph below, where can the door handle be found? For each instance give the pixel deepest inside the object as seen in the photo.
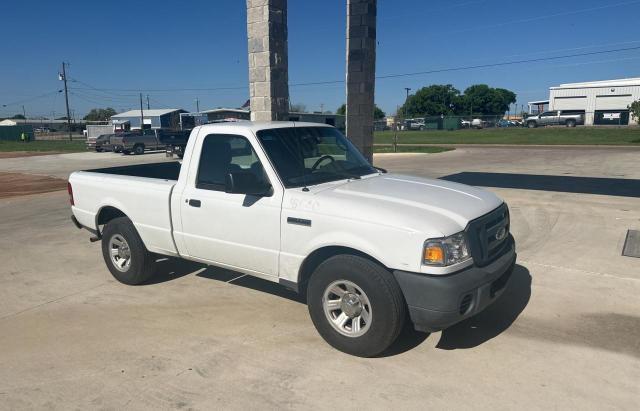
(194, 203)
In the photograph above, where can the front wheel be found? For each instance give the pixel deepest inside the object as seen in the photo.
(532, 124)
(138, 149)
(356, 305)
(571, 123)
(124, 252)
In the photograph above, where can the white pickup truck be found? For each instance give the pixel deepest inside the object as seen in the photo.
(296, 203)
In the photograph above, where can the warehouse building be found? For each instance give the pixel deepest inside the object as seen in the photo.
(602, 102)
(153, 119)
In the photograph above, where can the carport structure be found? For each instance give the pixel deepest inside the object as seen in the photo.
(268, 65)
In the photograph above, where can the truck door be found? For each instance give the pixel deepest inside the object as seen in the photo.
(549, 118)
(235, 230)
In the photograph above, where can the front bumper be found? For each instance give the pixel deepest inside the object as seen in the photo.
(438, 301)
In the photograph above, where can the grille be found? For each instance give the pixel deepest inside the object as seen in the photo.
(465, 304)
(483, 233)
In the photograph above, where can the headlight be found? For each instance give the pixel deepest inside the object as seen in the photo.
(446, 251)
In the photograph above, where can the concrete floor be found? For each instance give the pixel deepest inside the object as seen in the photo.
(565, 335)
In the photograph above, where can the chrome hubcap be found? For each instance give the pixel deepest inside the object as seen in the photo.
(347, 308)
(120, 252)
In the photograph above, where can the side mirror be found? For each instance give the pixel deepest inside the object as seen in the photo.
(245, 182)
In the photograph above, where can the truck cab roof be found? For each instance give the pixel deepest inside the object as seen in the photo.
(255, 126)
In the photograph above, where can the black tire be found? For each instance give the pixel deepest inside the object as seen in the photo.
(571, 123)
(532, 124)
(138, 149)
(125, 152)
(386, 302)
(142, 262)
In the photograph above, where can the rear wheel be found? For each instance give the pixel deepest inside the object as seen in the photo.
(356, 305)
(138, 149)
(124, 252)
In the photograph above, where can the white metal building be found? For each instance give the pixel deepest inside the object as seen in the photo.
(603, 102)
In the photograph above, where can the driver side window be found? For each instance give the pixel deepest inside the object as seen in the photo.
(224, 154)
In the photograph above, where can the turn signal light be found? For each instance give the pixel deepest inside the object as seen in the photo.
(433, 255)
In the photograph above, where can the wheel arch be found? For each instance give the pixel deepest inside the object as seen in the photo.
(106, 214)
(313, 260)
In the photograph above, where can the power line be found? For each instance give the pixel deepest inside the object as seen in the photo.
(507, 63)
(398, 75)
(20, 102)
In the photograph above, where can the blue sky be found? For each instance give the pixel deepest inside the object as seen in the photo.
(156, 46)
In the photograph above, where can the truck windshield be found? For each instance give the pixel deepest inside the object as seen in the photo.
(312, 155)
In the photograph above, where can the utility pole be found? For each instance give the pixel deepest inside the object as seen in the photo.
(141, 117)
(66, 97)
(407, 89)
(148, 106)
(24, 114)
(197, 105)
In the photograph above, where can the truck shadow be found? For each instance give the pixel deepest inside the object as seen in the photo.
(623, 187)
(467, 334)
(493, 321)
(169, 269)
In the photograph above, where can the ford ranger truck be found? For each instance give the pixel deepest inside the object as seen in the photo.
(296, 203)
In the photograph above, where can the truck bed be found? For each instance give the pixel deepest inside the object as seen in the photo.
(141, 192)
(163, 171)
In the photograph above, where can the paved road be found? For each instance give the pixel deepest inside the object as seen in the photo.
(565, 335)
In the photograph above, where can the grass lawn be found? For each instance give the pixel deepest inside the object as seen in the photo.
(411, 149)
(545, 136)
(60, 146)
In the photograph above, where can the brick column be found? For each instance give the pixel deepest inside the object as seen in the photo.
(361, 72)
(268, 60)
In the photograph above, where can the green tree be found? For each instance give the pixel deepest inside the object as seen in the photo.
(18, 117)
(485, 100)
(634, 108)
(433, 100)
(100, 114)
(378, 114)
(445, 99)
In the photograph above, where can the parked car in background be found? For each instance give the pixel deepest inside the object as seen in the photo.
(506, 123)
(297, 204)
(556, 118)
(100, 143)
(478, 123)
(93, 131)
(465, 124)
(174, 141)
(135, 142)
(418, 125)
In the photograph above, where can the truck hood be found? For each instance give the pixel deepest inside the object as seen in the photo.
(413, 203)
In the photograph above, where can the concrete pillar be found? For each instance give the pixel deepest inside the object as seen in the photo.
(268, 59)
(361, 73)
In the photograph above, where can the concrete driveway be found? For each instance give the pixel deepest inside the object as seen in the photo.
(566, 334)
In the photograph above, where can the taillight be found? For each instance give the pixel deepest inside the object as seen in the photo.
(70, 191)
